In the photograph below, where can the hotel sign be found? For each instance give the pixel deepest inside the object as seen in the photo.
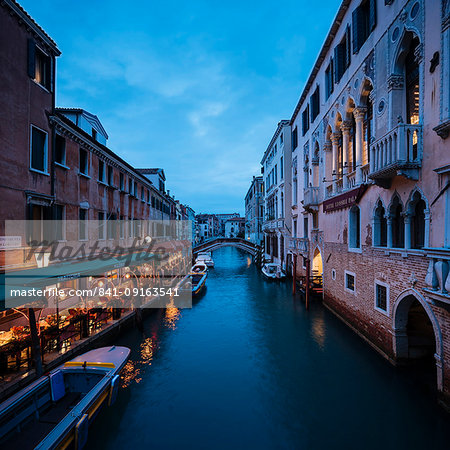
(345, 200)
(9, 242)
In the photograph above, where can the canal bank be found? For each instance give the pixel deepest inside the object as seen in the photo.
(247, 366)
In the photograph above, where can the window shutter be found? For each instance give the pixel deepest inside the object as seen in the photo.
(372, 14)
(336, 64)
(355, 28)
(348, 56)
(31, 58)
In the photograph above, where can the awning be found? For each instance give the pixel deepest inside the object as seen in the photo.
(56, 273)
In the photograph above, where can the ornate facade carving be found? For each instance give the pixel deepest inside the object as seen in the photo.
(395, 82)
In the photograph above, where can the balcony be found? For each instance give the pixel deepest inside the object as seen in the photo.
(311, 198)
(273, 224)
(398, 152)
(299, 245)
(437, 279)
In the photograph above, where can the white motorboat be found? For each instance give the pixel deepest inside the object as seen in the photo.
(205, 258)
(273, 271)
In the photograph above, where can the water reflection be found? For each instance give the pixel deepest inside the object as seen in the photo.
(249, 367)
(318, 330)
(171, 317)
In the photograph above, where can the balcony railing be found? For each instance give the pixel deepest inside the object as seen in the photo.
(437, 279)
(273, 224)
(311, 197)
(351, 180)
(301, 245)
(398, 152)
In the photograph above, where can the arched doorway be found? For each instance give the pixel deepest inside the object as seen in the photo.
(417, 335)
(317, 266)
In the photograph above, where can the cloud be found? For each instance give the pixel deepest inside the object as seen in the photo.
(199, 117)
(196, 88)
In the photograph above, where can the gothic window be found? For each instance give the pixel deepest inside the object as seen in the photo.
(412, 83)
(417, 209)
(353, 142)
(380, 226)
(398, 224)
(340, 158)
(368, 127)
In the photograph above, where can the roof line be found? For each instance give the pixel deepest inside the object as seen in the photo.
(68, 123)
(323, 52)
(22, 14)
(281, 124)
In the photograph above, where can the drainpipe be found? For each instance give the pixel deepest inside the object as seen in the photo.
(52, 163)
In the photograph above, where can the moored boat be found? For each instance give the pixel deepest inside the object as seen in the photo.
(199, 267)
(198, 281)
(206, 258)
(55, 411)
(272, 271)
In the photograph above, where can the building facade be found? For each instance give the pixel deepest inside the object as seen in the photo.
(222, 218)
(277, 173)
(64, 188)
(235, 227)
(254, 211)
(27, 95)
(209, 226)
(372, 198)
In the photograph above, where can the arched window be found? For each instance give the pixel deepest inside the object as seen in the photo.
(416, 210)
(355, 227)
(368, 127)
(340, 165)
(380, 226)
(412, 83)
(353, 142)
(398, 224)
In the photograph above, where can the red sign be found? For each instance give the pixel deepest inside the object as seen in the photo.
(345, 200)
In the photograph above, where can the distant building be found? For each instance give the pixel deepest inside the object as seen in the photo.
(235, 227)
(209, 226)
(222, 218)
(254, 211)
(156, 176)
(276, 167)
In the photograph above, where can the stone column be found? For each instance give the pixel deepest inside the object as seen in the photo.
(426, 241)
(389, 231)
(359, 114)
(407, 220)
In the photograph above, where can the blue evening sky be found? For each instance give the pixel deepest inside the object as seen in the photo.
(196, 88)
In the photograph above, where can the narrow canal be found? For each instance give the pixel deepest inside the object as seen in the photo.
(248, 367)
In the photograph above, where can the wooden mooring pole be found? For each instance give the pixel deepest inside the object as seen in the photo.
(294, 275)
(307, 284)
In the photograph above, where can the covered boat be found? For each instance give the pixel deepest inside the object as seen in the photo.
(55, 411)
(206, 258)
(273, 271)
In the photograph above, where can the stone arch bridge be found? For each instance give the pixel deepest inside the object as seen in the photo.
(219, 242)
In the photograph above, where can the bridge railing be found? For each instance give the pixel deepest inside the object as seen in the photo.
(243, 243)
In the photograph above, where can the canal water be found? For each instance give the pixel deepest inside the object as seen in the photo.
(248, 367)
